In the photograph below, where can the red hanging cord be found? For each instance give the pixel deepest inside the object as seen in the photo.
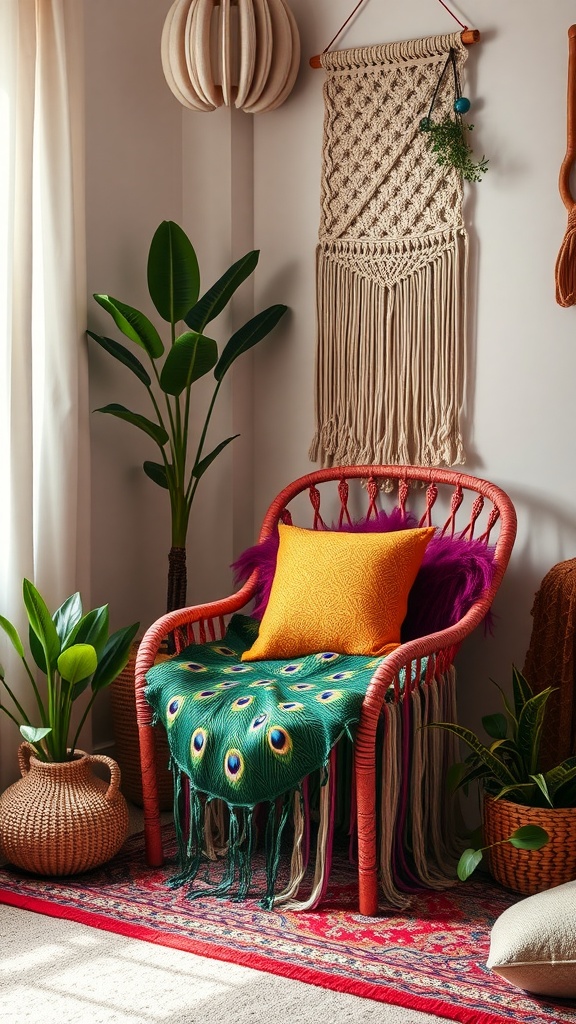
(446, 8)
(342, 27)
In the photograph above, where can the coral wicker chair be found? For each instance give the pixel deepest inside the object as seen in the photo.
(403, 831)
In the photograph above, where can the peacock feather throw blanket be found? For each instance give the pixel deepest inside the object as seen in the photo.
(248, 740)
(391, 263)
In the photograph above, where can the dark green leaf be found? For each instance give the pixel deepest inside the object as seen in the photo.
(521, 689)
(41, 622)
(496, 726)
(67, 616)
(558, 781)
(92, 629)
(114, 658)
(496, 767)
(201, 467)
(123, 355)
(77, 663)
(529, 837)
(522, 791)
(191, 357)
(157, 472)
(36, 650)
(530, 722)
(13, 636)
(134, 324)
(468, 863)
(543, 787)
(219, 295)
(173, 272)
(153, 429)
(247, 336)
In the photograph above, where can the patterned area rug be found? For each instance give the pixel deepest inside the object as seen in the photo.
(430, 958)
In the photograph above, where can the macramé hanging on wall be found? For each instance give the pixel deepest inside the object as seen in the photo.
(391, 263)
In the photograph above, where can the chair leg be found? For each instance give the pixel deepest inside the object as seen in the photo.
(367, 859)
(152, 827)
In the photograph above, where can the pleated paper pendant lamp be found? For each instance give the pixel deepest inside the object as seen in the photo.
(241, 53)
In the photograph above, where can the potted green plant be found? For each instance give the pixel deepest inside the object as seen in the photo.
(60, 818)
(174, 287)
(524, 807)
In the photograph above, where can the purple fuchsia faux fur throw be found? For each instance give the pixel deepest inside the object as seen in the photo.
(454, 573)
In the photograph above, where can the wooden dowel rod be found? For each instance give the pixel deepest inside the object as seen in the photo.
(468, 36)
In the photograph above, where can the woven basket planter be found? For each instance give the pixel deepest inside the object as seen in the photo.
(60, 818)
(530, 871)
(127, 746)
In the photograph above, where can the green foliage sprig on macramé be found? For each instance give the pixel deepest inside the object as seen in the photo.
(447, 141)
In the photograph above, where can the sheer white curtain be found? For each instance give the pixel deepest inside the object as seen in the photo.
(44, 433)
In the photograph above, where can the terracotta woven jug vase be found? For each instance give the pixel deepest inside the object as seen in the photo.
(60, 818)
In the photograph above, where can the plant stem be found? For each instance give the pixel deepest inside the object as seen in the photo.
(193, 483)
(82, 720)
(17, 704)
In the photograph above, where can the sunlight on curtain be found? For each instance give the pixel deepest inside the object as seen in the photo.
(44, 436)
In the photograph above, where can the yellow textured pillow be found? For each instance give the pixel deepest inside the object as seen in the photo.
(342, 592)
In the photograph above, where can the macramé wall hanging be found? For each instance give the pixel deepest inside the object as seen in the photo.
(241, 53)
(392, 257)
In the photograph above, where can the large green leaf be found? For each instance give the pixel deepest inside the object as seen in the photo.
(529, 837)
(157, 472)
(468, 863)
(114, 658)
(250, 334)
(77, 663)
(41, 622)
(173, 272)
(155, 430)
(92, 629)
(33, 734)
(497, 769)
(191, 357)
(13, 636)
(218, 296)
(530, 722)
(123, 355)
(201, 467)
(67, 616)
(134, 324)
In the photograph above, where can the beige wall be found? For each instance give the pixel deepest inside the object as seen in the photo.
(233, 181)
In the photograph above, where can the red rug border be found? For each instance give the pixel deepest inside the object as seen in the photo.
(307, 975)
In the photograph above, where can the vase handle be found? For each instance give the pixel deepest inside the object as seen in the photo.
(115, 775)
(25, 752)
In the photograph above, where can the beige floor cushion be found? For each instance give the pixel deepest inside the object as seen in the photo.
(533, 943)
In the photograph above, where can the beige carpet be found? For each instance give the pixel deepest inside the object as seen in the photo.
(54, 971)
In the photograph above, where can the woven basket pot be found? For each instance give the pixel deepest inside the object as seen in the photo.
(60, 818)
(126, 741)
(530, 871)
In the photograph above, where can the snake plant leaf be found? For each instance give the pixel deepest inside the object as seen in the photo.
(495, 726)
(133, 324)
(247, 336)
(154, 430)
(560, 783)
(13, 636)
(492, 762)
(173, 272)
(521, 691)
(67, 616)
(92, 629)
(201, 467)
(510, 713)
(33, 734)
(523, 792)
(41, 623)
(77, 663)
(479, 771)
(529, 837)
(218, 296)
(191, 357)
(123, 355)
(114, 658)
(468, 863)
(157, 472)
(530, 722)
(543, 787)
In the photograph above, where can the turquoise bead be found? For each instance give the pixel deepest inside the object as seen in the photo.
(462, 105)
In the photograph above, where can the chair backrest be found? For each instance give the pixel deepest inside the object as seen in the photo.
(459, 505)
